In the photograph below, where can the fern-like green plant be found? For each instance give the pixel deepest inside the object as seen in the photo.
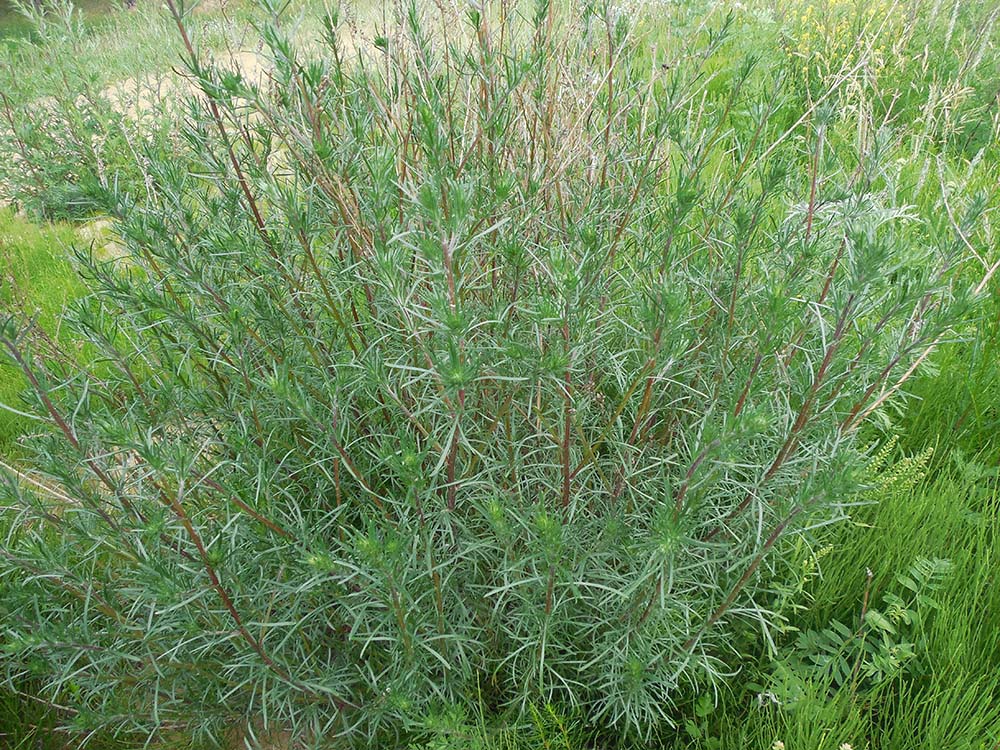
(886, 478)
(885, 643)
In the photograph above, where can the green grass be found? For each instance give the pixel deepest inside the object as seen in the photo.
(37, 278)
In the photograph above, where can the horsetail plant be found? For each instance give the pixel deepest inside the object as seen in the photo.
(490, 358)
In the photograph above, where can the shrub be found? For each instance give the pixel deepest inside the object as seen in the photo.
(79, 105)
(497, 359)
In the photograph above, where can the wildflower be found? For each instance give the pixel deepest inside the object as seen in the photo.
(778, 745)
(846, 746)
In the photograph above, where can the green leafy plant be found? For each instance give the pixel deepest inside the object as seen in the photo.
(698, 727)
(81, 104)
(454, 365)
(888, 641)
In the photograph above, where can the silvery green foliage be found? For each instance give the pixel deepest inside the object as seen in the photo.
(461, 366)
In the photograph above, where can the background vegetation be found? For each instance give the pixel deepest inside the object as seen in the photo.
(561, 149)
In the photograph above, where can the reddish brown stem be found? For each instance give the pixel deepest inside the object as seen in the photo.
(744, 579)
(741, 401)
(685, 485)
(247, 509)
(227, 601)
(814, 170)
(70, 436)
(791, 441)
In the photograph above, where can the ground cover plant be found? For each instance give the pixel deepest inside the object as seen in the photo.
(509, 363)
